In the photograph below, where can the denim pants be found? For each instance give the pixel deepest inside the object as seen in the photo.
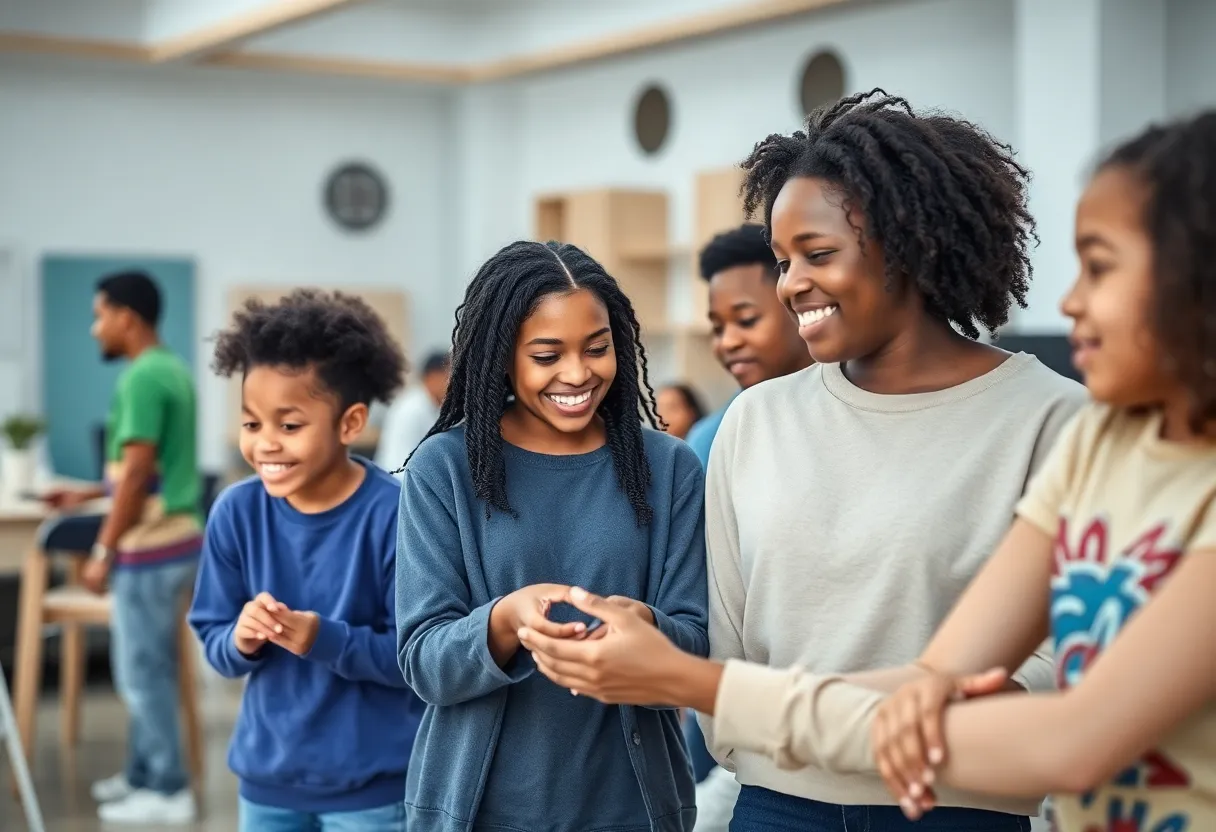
(761, 809)
(144, 658)
(258, 818)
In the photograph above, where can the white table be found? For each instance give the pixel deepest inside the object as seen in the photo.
(20, 519)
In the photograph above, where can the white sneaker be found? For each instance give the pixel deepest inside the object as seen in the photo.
(716, 796)
(112, 788)
(144, 806)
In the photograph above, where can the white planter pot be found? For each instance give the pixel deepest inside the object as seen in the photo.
(18, 469)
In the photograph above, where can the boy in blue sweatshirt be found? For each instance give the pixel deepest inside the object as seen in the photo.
(296, 585)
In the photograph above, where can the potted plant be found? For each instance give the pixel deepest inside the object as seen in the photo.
(18, 462)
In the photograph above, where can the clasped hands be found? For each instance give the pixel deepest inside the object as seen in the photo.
(627, 660)
(265, 619)
(616, 663)
(907, 734)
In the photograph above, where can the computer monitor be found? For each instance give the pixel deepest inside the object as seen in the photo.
(1053, 350)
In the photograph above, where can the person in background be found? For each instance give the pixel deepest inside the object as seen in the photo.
(679, 409)
(411, 415)
(540, 470)
(297, 582)
(849, 504)
(755, 338)
(147, 547)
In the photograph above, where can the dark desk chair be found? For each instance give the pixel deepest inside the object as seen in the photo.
(73, 608)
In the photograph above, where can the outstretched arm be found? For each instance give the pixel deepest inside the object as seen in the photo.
(800, 718)
(1146, 684)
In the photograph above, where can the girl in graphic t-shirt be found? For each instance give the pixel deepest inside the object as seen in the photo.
(1120, 525)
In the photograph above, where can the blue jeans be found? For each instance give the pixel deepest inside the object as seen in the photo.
(143, 657)
(761, 809)
(702, 762)
(258, 818)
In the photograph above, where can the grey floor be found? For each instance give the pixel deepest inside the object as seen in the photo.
(63, 780)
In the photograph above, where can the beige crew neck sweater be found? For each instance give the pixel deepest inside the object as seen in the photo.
(842, 525)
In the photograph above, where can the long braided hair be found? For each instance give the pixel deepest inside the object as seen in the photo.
(505, 291)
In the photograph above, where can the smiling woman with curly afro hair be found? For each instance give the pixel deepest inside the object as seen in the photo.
(849, 503)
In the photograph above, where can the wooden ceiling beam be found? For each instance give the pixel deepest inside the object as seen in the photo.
(212, 45)
(239, 27)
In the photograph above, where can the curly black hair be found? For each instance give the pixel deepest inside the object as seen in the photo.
(746, 245)
(1178, 164)
(945, 201)
(337, 334)
(505, 291)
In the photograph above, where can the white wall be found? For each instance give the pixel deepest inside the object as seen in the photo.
(575, 126)
(226, 168)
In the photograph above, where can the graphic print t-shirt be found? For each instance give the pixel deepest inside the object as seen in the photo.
(1124, 507)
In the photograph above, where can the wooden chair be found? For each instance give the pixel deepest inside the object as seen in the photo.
(73, 608)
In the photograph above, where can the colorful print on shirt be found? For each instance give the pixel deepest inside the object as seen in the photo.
(1125, 507)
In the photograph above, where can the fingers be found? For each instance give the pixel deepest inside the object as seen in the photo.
(983, 684)
(595, 633)
(557, 647)
(908, 748)
(567, 674)
(268, 603)
(882, 736)
(537, 621)
(610, 613)
(244, 633)
(935, 740)
(258, 618)
(620, 601)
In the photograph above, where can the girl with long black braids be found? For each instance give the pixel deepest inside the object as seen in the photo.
(539, 475)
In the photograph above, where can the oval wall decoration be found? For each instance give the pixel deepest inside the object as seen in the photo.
(356, 196)
(652, 119)
(822, 81)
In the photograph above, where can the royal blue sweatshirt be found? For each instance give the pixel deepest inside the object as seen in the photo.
(330, 731)
(505, 748)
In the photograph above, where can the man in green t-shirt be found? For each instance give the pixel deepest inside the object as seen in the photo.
(147, 547)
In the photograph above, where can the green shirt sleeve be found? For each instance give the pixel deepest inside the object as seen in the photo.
(141, 413)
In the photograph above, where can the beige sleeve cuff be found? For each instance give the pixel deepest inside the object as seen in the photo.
(795, 718)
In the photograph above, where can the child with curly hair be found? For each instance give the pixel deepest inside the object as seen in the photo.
(297, 582)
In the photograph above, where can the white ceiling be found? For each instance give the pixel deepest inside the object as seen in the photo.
(464, 31)
(457, 36)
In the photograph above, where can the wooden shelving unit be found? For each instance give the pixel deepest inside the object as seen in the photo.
(627, 231)
(717, 207)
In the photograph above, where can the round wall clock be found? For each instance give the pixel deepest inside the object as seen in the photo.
(356, 196)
